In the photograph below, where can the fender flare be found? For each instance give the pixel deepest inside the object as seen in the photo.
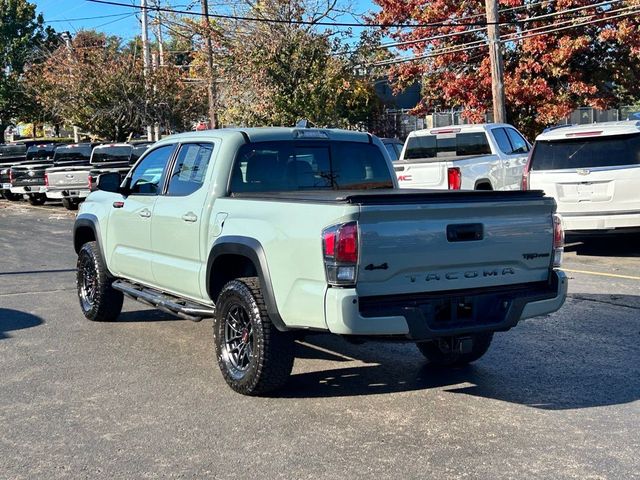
(252, 249)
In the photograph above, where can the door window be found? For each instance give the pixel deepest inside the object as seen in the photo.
(148, 176)
(190, 169)
(520, 145)
(503, 140)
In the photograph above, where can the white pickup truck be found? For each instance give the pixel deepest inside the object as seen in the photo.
(488, 156)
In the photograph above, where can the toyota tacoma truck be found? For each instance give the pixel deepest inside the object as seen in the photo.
(488, 156)
(280, 232)
(72, 184)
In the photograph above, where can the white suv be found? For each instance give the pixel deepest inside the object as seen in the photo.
(593, 172)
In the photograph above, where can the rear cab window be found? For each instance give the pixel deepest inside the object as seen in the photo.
(593, 152)
(111, 153)
(43, 151)
(292, 166)
(80, 151)
(446, 145)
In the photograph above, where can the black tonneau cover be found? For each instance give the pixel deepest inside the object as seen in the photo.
(392, 196)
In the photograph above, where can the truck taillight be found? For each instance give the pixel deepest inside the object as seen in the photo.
(525, 174)
(558, 240)
(340, 248)
(455, 178)
(46, 179)
(10, 176)
(90, 183)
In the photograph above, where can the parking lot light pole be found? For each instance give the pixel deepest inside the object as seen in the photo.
(211, 84)
(146, 54)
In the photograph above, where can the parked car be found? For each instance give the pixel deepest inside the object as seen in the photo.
(593, 173)
(10, 154)
(275, 231)
(72, 184)
(394, 147)
(487, 156)
(28, 178)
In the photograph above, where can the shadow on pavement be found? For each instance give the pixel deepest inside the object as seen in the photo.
(151, 315)
(589, 365)
(612, 246)
(16, 320)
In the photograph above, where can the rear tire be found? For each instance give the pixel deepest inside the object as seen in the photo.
(12, 197)
(255, 358)
(98, 300)
(70, 204)
(443, 358)
(37, 199)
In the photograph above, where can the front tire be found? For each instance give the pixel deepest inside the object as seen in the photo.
(255, 358)
(98, 300)
(442, 356)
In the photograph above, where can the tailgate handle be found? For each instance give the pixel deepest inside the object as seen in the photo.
(465, 232)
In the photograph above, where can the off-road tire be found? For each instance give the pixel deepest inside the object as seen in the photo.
(435, 355)
(37, 199)
(70, 204)
(271, 351)
(98, 300)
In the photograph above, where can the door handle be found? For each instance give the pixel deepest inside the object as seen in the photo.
(145, 213)
(507, 164)
(190, 217)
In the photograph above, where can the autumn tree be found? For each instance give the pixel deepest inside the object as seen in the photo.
(547, 73)
(23, 38)
(275, 73)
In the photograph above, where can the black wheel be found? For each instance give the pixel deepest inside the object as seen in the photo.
(70, 204)
(37, 199)
(12, 197)
(98, 300)
(254, 357)
(439, 352)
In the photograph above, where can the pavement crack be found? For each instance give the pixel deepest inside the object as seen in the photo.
(36, 293)
(579, 297)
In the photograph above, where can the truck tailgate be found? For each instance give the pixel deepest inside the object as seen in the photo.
(454, 240)
(69, 177)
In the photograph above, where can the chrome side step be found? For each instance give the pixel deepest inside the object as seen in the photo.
(163, 301)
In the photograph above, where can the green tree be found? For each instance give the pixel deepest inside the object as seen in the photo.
(23, 38)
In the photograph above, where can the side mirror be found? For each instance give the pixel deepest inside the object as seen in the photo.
(109, 182)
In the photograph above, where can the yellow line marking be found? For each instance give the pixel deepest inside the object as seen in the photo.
(614, 275)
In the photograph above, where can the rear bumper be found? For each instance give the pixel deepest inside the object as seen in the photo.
(600, 221)
(443, 314)
(29, 190)
(66, 193)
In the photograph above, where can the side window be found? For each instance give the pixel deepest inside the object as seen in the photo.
(392, 151)
(503, 140)
(148, 176)
(190, 169)
(519, 143)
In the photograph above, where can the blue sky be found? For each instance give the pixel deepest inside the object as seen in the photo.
(63, 15)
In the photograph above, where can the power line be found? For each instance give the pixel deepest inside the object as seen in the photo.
(100, 17)
(482, 43)
(446, 23)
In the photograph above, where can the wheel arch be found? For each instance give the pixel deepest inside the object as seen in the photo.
(483, 184)
(237, 256)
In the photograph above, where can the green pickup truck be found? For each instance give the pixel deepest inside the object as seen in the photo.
(278, 232)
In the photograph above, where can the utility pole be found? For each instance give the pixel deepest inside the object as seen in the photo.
(211, 83)
(146, 54)
(495, 55)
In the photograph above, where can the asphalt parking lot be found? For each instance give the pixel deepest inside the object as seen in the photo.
(555, 398)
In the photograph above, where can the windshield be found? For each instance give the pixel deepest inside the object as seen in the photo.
(40, 151)
(73, 152)
(446, 145)
(591, 152)
(116, 153)
(290, 166)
